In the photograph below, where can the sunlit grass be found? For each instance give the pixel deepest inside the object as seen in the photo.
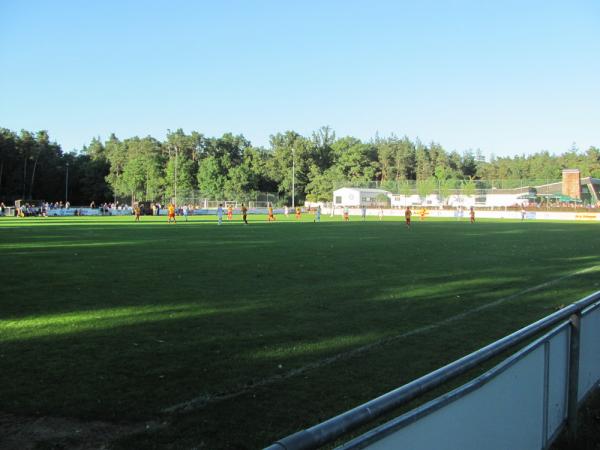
(339, 343)
(49, 245)
(102, 319)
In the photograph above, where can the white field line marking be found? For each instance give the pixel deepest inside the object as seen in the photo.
(205, 399)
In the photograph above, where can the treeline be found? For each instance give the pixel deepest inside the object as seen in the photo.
(32, 167)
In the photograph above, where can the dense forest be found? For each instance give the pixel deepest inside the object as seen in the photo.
(32, 167)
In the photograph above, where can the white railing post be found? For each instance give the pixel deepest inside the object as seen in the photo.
(575, 320)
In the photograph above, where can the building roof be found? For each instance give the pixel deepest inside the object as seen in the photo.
(590, 180)
(367, 190)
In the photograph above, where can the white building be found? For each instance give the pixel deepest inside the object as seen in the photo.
(361, 197)
(458, 200)
(501, 200)
(494, 198)
(402, 201)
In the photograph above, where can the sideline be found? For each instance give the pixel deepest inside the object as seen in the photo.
(203, 400)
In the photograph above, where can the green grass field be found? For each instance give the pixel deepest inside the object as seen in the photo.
(199, 336)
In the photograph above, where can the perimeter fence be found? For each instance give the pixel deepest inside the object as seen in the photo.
(250, 199)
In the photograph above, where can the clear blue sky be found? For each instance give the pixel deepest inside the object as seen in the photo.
(508, 77)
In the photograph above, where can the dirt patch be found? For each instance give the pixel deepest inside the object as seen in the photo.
(29, 433)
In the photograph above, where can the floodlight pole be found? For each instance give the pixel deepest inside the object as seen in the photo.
(175, 181)
(67, 185)
(293, 174)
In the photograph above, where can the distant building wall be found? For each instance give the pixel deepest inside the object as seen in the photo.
(360, 197)
(571, 184)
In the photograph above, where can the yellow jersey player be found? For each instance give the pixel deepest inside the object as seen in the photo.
(271, 216)
(244, 214)
(171, 213)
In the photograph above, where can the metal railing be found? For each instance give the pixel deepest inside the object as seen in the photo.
(336, 427)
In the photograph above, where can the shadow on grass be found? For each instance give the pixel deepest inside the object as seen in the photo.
(133, 362)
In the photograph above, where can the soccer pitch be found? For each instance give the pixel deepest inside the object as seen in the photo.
(193, 335)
